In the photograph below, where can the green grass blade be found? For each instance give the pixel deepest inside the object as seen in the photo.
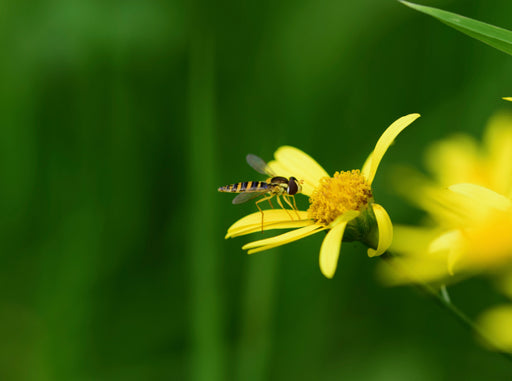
(494, 36)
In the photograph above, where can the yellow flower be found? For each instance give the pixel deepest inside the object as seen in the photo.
(469, 209)
(462, 159)
(342, 205)
(496, 322)
(470, 234)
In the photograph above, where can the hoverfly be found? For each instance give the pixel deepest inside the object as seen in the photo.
(274, 186)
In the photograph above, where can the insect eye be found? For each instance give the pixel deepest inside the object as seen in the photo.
(292, 186)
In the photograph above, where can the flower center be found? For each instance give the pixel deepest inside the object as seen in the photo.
(346, 190)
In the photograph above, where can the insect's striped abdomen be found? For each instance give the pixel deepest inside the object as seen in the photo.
(246, 186)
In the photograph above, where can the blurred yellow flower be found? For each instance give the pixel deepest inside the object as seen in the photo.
(496, 322)
(462, 159)
(469, 209)
(343, 205)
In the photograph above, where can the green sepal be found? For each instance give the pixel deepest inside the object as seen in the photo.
(362, 228)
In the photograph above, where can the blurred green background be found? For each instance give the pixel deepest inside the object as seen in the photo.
(119, 120)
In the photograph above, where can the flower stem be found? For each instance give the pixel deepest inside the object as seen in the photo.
(443, 298)
(444, 293)
(461, 316)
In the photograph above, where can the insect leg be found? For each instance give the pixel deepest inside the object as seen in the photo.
(287, 200)
(261, 210)
(281, 205)
(294, 206)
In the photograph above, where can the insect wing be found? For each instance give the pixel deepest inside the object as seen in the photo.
(246, 196)
(259, 165)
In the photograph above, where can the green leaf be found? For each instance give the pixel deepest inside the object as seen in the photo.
(494, 36)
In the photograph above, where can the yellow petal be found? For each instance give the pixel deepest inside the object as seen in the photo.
(412, 260)
(456, 160)
(367, 164)
(385, 231)
(508, 98)
(371, 165)
(446, 207)
(408, 239)
(330, 250)
(278, 225)
(449, 242)
(348, 216)
(498, 145)
(291, 161)
(282, 239)
(272, 219)
(488, 241)
(481, 196)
